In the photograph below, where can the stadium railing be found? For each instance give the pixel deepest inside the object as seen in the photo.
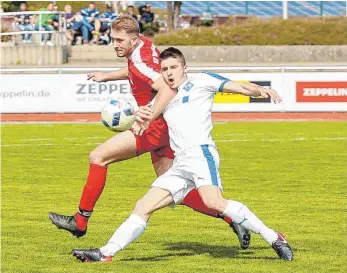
(11, 15)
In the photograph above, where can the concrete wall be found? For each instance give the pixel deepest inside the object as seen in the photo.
(31, 54)
(267, 54)
(238, 54)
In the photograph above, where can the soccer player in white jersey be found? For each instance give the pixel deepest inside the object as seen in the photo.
(196, 162)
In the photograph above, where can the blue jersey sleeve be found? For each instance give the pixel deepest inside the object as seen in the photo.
(96, 13)
(85, 12)
(214, 82)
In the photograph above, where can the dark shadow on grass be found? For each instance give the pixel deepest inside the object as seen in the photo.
(216, 251)
(158, 258)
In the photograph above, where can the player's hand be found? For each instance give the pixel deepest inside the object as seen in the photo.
(268, 92)
(145, 113)
(139, 128)
(97, 77)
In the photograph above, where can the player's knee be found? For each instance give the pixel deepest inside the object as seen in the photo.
(214, 203)
(96, 158)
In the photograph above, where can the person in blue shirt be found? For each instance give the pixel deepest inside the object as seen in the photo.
(106, 21)
(89, 23)
(147, 16)
(24, 22)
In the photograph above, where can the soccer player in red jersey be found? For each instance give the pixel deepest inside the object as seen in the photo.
(143, 73)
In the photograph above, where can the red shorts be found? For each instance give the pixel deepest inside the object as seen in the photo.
(155, 140)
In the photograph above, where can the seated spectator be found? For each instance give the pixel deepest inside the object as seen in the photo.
(106, 19)
(146, 15)
(46, 24)
(24, 22)
(55, 18)
(148, 23)
(118, 6)
(131, 12)
(90, 24)
(69, 19)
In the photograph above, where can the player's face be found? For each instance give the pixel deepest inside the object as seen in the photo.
(123, 42)
(173, 72)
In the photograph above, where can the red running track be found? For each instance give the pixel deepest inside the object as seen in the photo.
(95, 117)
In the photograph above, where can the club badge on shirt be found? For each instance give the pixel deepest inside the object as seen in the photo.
(188, 86)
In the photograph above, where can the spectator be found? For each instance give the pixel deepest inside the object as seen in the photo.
(118, 6)
(130, 11)
(46, 24)
(106, 19)
(25, 23)
(55, 18)
(90, 24)
(146, 15)
(69, 19)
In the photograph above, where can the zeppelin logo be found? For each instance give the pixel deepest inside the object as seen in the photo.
(321, 91)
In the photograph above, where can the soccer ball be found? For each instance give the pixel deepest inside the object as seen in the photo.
(118, 115)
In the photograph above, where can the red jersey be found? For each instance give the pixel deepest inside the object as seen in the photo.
(144, 70)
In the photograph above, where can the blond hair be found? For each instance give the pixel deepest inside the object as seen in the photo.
(127, 23)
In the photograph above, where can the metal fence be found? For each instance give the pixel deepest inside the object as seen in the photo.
(61, 27)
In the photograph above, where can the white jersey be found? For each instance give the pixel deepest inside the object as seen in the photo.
(188, 115)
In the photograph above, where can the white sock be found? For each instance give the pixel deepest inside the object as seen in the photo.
(244, 217)
(127, 232)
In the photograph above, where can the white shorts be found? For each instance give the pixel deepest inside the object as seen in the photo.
(195, 167)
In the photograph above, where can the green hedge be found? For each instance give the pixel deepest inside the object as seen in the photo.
(298, 31)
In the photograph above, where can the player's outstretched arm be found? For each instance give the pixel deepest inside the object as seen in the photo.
(251, 89)
(146, 113)
(121, 74)
(164, 95)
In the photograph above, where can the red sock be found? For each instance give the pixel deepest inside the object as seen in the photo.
(92, 190)
(194, 201)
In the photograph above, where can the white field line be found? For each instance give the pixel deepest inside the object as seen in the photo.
(34, 139)
(283, 139)
(220, 140)
(65, 138)
(50, 144)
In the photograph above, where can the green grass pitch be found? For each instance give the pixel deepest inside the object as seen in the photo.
(291, 174)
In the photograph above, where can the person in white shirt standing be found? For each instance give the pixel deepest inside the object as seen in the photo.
(196, 162)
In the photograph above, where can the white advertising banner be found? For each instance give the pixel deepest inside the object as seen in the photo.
(57, 93)
(72, 93)
(320, 91)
